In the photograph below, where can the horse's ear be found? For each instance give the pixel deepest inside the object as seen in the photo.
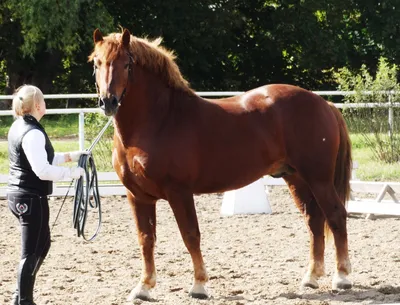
(97, 36)
(126, 37)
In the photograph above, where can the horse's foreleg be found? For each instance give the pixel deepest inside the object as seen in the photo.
(315, 220)
(184, 210)
(336, 217)
(145, 217)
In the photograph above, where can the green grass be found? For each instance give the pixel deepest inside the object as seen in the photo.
(57, 126)
(63, 130)
(371, 170)
(59, 146)
(368, 168)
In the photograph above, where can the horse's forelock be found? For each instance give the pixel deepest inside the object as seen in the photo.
(148, 53)
(108, 49)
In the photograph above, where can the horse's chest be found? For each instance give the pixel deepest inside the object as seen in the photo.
(138, 165)
(134, 166)
(135, 173)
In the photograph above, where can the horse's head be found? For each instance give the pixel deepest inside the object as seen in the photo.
(112, 68)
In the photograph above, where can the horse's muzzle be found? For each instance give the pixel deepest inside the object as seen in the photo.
(109, 105)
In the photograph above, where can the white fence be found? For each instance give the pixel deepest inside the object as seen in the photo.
(81, 111)
(374, 206)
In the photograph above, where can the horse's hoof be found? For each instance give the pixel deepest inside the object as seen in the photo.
(142, 297)
(340, 282)
(200, 296)
(140, 292)
(310, 285)
(310, 282)
(198, 291)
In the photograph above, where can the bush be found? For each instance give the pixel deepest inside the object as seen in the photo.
(94, 123)
(382, 137)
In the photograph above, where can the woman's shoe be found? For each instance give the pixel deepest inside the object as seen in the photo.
(15, 298)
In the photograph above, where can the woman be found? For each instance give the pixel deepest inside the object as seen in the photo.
(33, 168)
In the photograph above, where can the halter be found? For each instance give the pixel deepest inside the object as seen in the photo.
(131, 61)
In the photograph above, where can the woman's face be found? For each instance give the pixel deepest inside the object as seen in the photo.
(41, 108)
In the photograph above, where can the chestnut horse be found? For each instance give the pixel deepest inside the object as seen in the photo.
(170, 143)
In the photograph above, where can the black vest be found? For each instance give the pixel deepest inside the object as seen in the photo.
(22, 178)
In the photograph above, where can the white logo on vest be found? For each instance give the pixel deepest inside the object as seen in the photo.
(21, 208)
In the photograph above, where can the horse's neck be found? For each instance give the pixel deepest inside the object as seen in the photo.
(148, 104)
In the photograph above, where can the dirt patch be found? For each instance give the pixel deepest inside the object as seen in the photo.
(251, 259)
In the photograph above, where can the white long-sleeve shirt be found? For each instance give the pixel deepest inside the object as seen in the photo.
(33, 144)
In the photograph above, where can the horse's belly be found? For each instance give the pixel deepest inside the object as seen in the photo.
(224, 180)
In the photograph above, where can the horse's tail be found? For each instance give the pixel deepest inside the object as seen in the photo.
(343, 159)
(343, 163)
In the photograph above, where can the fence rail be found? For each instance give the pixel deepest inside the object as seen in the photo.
(81, 111)
(355, 205)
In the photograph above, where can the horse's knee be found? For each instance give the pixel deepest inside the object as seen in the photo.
(147, 240)
(192, 240)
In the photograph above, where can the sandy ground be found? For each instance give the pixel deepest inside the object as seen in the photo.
(251, 259)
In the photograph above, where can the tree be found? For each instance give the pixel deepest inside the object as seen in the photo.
(47, 42)
(220, 44)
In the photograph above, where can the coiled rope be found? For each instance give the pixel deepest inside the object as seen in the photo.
(86, 196)
(87, 191)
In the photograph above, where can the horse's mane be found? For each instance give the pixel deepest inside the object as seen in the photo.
(147, 53)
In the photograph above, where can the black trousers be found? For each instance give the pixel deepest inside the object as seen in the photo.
(32, 212)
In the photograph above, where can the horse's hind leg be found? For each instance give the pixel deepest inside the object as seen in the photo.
(145, 217)
(182, 204)
(315, 220)
(336, 216)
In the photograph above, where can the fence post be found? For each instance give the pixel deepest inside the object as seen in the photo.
(390, 115)
(390, 123)
(81, 130)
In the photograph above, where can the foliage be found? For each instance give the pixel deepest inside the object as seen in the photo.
(369, 168)
(3, 74)
(94, 123)
(46, 43)
(57, 126)
(382, 137)
(221, 44)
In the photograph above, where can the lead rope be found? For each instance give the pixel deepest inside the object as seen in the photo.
(87, 191)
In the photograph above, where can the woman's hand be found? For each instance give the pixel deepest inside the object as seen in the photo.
(77, 172)
(74, 156)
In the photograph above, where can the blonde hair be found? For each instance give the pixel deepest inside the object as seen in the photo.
(25, 98)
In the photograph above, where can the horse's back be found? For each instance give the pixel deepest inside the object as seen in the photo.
(281, 108)
(278, 96)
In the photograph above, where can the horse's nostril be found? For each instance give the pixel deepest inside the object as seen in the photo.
(114, 101)
(101, 103)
